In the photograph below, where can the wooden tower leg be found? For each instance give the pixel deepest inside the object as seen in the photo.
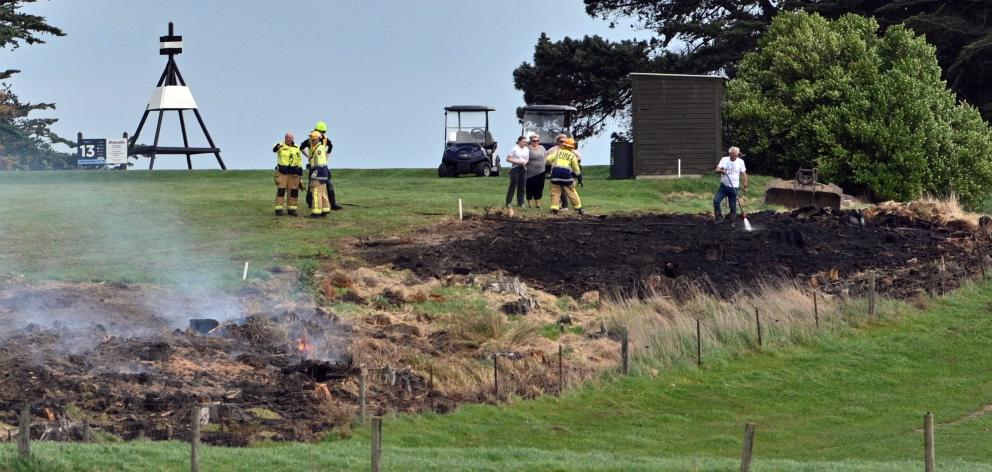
(158, 131)
(209, 139)
(182, 124)
(134, 139)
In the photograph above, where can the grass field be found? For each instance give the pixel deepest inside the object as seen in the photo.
(851, 401)
(91, 225)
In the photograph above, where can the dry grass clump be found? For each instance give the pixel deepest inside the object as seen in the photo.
(930, 208)
(489, 331)
(663, 331)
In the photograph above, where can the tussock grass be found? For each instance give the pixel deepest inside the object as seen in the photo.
(662, 329)
(490, 331)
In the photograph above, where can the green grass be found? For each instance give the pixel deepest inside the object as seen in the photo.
(843, 402)
(160, 226)
(846, 402)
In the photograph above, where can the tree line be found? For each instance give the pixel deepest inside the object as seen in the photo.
(889, 102)
(26, 142)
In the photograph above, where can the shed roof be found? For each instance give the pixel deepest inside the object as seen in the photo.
(678, 76)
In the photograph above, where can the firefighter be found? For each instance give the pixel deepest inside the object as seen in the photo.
(321, 128)
(289, 169)
(316, 150)
(565, 171)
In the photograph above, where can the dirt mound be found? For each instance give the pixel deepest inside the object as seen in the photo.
(637, 255)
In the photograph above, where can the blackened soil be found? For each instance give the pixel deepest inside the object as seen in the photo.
(638, 255)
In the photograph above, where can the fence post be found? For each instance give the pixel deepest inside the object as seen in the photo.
(816, 310)
(561, 369)
(625, 352)
(928, 448)
(748, 447)
(757, 321)
(24, 432)
(496, 375)
(194, 438)
(871, 293)
(699, 344)
(376, 443)
(361, 394)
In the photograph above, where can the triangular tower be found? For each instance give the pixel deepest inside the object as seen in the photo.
(171, 93)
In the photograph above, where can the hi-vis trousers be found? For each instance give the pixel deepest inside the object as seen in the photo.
(570, 192)
(287, 183)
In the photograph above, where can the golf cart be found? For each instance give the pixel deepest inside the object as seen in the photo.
(547, 121)
(469, 147)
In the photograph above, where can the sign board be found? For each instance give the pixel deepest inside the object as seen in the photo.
(91, 150)
(98, 152)
(116, 151)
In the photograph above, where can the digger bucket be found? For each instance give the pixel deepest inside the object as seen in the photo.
(792, 194)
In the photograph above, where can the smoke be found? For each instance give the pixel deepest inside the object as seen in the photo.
(107, 257)
(147, 264)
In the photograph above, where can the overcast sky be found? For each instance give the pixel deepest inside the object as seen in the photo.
(378, 72)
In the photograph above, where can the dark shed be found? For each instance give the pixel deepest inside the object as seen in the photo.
(677, 117)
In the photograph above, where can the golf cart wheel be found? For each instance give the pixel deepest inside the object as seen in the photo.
(443, 171)
(483, 169)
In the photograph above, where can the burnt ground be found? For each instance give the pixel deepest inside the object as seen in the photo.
(122, 359)
(634, 256)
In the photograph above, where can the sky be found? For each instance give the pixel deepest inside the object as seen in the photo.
(379, 72)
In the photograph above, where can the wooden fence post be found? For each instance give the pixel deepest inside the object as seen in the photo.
(748, 447)
(376, 443)
(816, 311)
(561, 369)
(496, 375)
(943, 272)
(361, 394)
(699, 344)
(930, 464)
(24, 432)
(194, 438)
(757, 321)
(871, 293)
(625, 352)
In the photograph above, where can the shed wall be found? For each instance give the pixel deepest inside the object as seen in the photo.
(676, 117)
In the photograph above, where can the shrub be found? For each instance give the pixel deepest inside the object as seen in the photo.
(870, 112)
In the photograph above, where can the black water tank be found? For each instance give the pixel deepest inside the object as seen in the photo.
(621, 160)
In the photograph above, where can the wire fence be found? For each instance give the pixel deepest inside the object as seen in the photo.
(511, 376)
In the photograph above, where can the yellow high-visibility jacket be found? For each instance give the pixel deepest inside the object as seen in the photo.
(288, 155)
(317, 153)
(564, 165)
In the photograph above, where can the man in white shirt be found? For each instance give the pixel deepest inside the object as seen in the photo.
(731, 169)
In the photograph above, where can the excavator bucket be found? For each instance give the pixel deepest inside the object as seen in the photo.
(803, 192)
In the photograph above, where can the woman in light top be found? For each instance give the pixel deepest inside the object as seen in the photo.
(535, 172)
(518, 156)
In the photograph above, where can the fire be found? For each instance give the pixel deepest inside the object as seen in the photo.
(304, 346)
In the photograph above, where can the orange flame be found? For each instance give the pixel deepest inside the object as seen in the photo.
(304, 346)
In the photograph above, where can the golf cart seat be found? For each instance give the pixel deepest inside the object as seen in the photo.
(464, 137)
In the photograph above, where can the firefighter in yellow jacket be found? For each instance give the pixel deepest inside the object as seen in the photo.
(289, 169)
(565, 171)
(317, 152)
